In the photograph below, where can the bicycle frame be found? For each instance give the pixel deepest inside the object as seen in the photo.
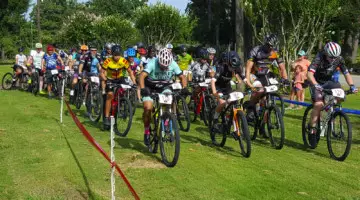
(235, 107)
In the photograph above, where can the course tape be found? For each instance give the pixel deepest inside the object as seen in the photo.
(100, 149)
(346, 110)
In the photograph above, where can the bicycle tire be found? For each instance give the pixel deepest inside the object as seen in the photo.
(172, 121)
(154, 140)
(127, 114)
(8, 81)
(304, 128)
(24, 82)
(223, 126)
(182, 118)
(244, 138)
(35, 83)
(279, 118)
(78, 95)
(282, 106)
(208, 104)
(92, 103)
(330, 136)
(254, 125)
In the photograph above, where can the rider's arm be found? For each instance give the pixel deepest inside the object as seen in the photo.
(131, 74)
(42, 64)
(249, 66)
(183, 81)
(61, 61)
(349, 79)
(312, 69)
(213, 87)
(142, 77)
(16, 59)
(80, 68)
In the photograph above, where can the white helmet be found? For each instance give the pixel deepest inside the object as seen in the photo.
(332, 49)
(165, 57)
(169, 46)
(211, 50)
(38, 45)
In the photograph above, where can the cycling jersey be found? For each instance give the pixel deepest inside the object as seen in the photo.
(200, 71)
(158, 78)
(224, 75)
(105, 55)
(37, 58)
(116, 70)
(264, 59)
(90, 63)
(50, 61)
(135, 65)
(21, 58)
(184, 61)
(324, 68)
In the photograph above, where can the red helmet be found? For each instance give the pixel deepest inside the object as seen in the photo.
(50, 48)
(142, 51)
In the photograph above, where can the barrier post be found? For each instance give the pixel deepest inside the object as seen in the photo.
(112, 157)
(62, 101)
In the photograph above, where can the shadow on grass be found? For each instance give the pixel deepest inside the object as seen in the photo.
(297, 117)
(300, 146)
(89, 192)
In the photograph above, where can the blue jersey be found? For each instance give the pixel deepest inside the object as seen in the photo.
(94, 66)
(50, 61)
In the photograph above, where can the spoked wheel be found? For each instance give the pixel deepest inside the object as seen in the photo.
(253, 122)
(133, 99)
(339, 136)
(208, 104)
(169, 140)
(78, 95)
(275, 127)
(35, 83)
(219, 131)
(94, 104)
(154, 139)
(305, 128)
(24, 83)
(182, 113)
(7, 81)
(244, 138)
(123, 118)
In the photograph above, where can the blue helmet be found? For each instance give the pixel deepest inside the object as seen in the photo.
(131, 52)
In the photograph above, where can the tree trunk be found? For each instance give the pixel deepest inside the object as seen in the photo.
(347, 48)
(38, 20)
(239, 29)
(2, 54)
(355, 47)
(217, 31)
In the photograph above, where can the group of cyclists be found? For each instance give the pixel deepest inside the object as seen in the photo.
(151, 70)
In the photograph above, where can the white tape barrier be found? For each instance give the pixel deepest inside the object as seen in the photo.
(62, 101)
(112, 157)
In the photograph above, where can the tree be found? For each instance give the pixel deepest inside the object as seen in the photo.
(125, 8)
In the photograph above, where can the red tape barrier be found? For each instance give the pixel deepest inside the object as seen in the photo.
(100, 149)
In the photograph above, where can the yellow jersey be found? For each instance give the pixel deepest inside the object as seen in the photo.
(116, 70)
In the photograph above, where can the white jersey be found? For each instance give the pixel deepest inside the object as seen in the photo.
(37, 58)
(21, 59)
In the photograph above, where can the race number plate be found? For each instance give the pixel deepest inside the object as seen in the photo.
(165, 99)
(203, 84)
(272, 88)
(176, 86)
(125, 86)
(338, 93)
(94, 79)
(208, 81)
(273, 81)
(54, 71)
(236, 96)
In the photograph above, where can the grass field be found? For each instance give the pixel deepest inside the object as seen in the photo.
(41, 159)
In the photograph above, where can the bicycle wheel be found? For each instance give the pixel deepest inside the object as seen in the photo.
(193, 106)
(169, 139)
(305, 128)
(7, 81)
(253, 124)
(78, 95)
(277, 99)
(154, 140)
(123, 118)
(24, 82)
(244, 138)
(133, 99)
(182, 113)
(219, 131)
(339, 136)
(94, 104)
(208, 104)
(275, 127)
(35, 83)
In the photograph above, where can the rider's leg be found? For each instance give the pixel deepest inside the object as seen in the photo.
(109, 98)
(74, 82)
(148, 106)
(219, 108)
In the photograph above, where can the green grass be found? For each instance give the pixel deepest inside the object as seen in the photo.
(41, 159)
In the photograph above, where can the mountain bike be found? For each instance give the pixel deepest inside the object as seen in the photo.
(182, 111)
(232, 116)
(35, 79)
(334, 124)
(93, 98)
(164, 129)
(9, 80)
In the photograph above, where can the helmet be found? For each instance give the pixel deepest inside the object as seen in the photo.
(84, 47)
(150, 48)
(131, 52)
(38, 45)
(140, 45)
(203, 53)
(169, 46)
(332, 49)
(142, 51)
(108, 46)
(116, 50)
(165, 57)
(21, 49)
(93, 48)
(270, 40)
(211, 50)
(182, 49)
(50, 48)
(232, 58)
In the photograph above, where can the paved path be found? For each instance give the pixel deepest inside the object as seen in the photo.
(356, 79)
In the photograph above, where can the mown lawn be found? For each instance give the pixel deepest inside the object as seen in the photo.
(42, 159)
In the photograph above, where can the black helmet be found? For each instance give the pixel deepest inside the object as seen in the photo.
(182, 49)
(270, 40)
(140, 45)
(116, 50)
(203, 53)
(232, 58)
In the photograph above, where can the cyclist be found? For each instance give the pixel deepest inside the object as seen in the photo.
(184, 59)
(114, 70)
(151, 53)
(212, 59)
(261, 59)
(37, 59)
(143, 54)
(49, 63)
(229, 68)
(106, 53)
(320, 73)
(78, 58)
(156, 76)
(136, 65)
(20, 62)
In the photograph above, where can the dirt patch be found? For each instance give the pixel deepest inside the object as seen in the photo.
(46, 130)
(303, 193)
(139, 161)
